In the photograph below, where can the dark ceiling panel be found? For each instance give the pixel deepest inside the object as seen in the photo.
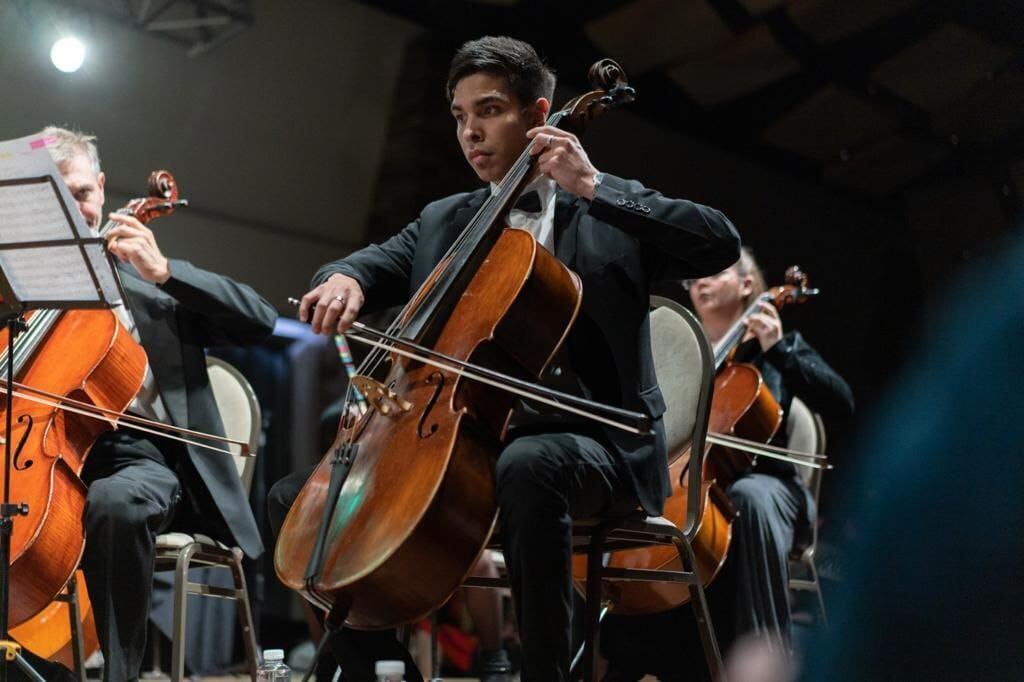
(748, 63)
(827, 21)
(647, 34)
(758, 7)
(942, 68)
(886, 165)
(831, 121)
(995, 109)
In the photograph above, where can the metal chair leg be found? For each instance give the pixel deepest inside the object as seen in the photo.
(700, 609)
(577, 659)
(180, 604)
(245, 613)
(74, 616)
(435, 650)
(156, 650)
(817, 591)
(592, 622)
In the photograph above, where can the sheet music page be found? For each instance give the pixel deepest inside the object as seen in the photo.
(33, 212)
(27, 157)
(48, 274)
(30, 213)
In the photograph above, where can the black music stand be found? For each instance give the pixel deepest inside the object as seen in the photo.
(45, 264)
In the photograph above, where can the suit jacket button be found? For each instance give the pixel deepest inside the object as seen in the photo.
(556, 371)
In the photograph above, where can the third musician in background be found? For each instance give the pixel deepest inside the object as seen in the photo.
(774, 507)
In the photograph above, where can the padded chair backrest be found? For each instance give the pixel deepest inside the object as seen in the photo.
(805, 432)
(677, 362)
(239, 411)
(684, 366)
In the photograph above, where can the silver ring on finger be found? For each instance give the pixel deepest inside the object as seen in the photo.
(340, 299)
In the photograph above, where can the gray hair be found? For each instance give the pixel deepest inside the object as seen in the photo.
(67, 144)
(747, 265)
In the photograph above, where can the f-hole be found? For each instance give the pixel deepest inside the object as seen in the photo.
(435, 379)
(29, 423)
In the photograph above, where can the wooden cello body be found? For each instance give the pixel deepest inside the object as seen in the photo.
(419, 504)
(48, 633)
(87, 355)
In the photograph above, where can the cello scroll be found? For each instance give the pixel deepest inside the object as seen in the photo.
(161, 201)
(611, 89)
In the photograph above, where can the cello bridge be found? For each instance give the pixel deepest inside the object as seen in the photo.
(380, 396)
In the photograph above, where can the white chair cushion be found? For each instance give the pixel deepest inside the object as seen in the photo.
(232, 400)
(802, 434)
(179, 540)
(677, 364)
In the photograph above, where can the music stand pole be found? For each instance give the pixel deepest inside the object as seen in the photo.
(10, 651)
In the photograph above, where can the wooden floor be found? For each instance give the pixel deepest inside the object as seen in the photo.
(296, 677)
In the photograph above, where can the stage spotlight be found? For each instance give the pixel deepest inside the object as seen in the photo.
(68, 54)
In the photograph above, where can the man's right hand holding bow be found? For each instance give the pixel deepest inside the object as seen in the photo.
(335, 303)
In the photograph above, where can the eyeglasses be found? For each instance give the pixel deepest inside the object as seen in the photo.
(688, 283)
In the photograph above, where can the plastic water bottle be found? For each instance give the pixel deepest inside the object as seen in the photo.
(390, 671)
(273, 668)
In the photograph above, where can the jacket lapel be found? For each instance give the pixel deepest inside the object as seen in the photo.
(460, 219)
(566, 223)
(153, 312)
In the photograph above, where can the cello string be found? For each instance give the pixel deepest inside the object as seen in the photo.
(735, 333)
(484, 217)
(381, 352)
(487, 214)
(473, 232)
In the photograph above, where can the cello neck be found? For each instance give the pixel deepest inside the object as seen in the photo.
(25, 345)
(732, 338)
(464, 255)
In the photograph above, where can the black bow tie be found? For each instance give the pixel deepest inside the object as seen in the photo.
(528, 203)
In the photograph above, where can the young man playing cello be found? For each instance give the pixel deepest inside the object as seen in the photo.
(617, 236)
(139, 483)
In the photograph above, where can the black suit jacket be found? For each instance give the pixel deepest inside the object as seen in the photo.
(176, 322)
(620, 242)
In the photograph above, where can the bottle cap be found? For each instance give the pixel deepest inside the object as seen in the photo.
(273, 655)
(390, 668)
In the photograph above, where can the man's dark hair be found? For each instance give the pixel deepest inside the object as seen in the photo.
(528, 76)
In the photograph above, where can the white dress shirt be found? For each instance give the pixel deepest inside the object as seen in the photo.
(540, 225)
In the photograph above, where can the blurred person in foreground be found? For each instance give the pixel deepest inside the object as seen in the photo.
(933, 591)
